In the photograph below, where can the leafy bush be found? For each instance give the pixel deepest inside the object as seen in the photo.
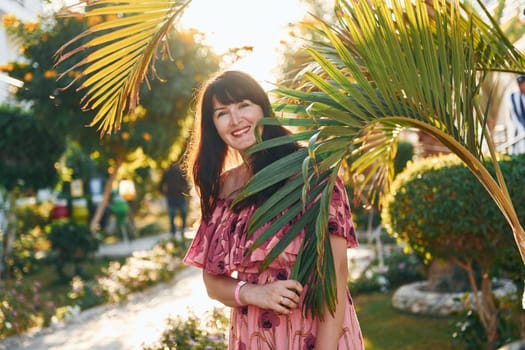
(399, 268)
(23, 306)
(30, 239)
(33, 165)
(73, 242)
(405, 153)
(403, 268)
(469, 333)
(117, 280)
(442, 211)
(190, 333)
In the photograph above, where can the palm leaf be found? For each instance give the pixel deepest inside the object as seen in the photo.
(385, 69)
(120, 53)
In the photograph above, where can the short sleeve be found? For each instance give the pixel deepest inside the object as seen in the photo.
(340, 217)
(196, 254)
(218, 245)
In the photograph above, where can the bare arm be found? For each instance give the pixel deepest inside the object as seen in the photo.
(279, 295)
(329, 330)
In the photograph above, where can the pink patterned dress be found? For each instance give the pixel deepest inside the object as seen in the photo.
(219, 247)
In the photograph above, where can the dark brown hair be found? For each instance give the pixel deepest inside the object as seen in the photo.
(208, 151)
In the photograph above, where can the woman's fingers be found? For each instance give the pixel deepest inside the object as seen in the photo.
(281, 296)
(290, 296)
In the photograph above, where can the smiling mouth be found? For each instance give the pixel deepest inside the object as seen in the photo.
(241, 132)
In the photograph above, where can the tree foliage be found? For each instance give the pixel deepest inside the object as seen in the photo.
(439, 209)
(28, 151)
(164, 111)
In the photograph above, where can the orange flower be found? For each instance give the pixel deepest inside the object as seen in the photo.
(49, 74)
(22, 49)
(10, 20)
(6, 67)
(179, 64)
(125, 135)
(30, 26)
(44, 37)
(28, 77)
(146, 136)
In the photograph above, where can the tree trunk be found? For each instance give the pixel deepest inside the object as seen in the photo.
(9, 235)
(489, 309)
(4, 207)
(485, 305)
(95, 221)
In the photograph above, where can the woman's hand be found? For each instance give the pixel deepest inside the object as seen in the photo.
(280, 296)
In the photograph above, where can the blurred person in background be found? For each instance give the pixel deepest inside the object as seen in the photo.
(174, 186)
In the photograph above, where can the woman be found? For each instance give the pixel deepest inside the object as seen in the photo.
(266, 306)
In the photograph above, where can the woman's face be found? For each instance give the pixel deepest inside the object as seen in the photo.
(236, 123)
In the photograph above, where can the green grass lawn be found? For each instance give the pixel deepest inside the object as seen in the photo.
(385, 328)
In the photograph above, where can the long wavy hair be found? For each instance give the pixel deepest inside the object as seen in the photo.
(207, 151)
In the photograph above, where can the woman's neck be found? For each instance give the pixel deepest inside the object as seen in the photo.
(234, 180)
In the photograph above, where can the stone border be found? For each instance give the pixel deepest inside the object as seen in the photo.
(414, 299)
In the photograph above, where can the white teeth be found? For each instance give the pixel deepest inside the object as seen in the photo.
(240, 132)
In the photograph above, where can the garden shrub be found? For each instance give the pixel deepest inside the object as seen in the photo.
(405, 153)
(192, 333)
(23, 306)
(138, 272)
(73, 243)
(469, 334)
(31, 239)
(399, 268)
(442, 211)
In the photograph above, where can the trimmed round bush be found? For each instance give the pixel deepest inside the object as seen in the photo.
(441, 210)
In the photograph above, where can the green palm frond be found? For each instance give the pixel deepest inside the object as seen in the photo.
(119, 54)
(382, 69)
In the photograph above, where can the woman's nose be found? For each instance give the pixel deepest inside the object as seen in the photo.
(235, 116)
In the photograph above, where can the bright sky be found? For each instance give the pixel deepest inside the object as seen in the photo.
(236, 23)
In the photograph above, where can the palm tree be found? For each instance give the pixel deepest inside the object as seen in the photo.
(381, 69)
(384, 69)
